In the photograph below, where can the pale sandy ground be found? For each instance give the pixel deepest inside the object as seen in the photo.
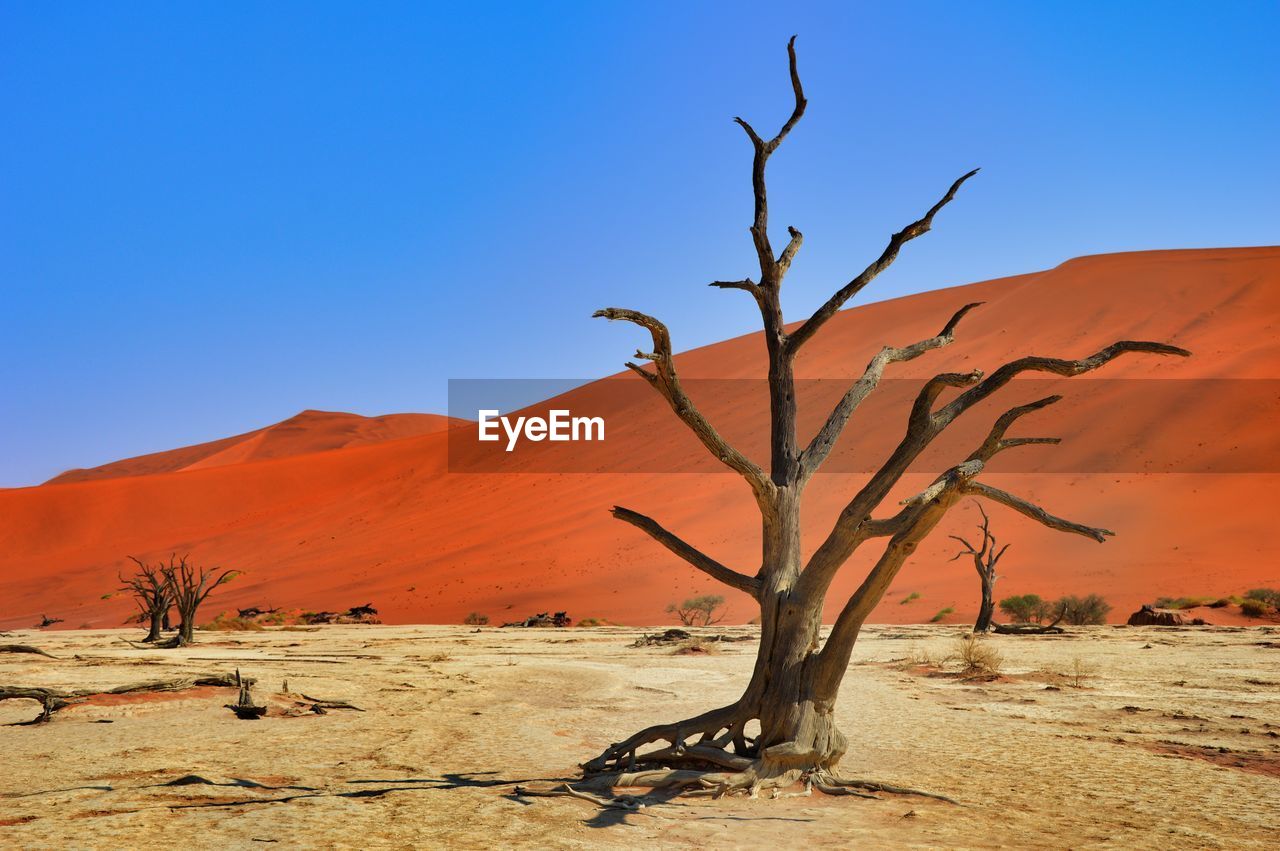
(1171, 744)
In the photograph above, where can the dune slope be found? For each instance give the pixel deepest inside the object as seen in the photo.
(388, 523)
(308, 431)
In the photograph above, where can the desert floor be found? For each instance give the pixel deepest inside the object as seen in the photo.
(1172, 740)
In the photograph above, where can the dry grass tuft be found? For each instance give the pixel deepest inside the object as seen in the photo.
(976, 657)
(921, 657)
(226, 622)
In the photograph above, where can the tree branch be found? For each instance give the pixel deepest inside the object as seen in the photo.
(771, 270)
(925, 510)
(886, 258)
(924, 425)
(789, 253)
(823, 442)
(711, 567)
(1035, 512)
(1057, 366)
(666, 381)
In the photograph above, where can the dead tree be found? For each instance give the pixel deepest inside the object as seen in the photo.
(150, 591)
(793, 688)
(985, 557)
(188, 586)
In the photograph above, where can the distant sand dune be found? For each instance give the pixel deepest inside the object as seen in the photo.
(381, 520)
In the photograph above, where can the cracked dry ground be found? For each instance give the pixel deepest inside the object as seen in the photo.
(1173, 741)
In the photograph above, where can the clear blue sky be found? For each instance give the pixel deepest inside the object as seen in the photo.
(215, 215)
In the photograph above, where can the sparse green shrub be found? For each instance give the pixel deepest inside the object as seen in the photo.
(698, 611)
(1082, 611)
(476, 619)
(1220, 603)
(942, 613)
(1026, 608)
(1267, 596)
(914, 595)
(1183, 602)
(1254, 608)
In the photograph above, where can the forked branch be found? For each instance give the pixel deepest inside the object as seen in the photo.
(828, 309)
(771, 269)
(820, 447)
(925, 424)
(1057, 366)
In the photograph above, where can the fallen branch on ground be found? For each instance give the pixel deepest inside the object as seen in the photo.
(24, 648)
(675, 636)
(56, 699)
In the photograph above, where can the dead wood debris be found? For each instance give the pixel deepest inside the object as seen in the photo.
(678, 636)
(24, 648)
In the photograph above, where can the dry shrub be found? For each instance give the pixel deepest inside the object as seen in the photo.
(439, 657)
(976, 657)
(1080, 672)
(595, 622)
(476, 619)
(922, 658)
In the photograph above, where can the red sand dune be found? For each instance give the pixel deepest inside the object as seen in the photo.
(309, 431)
(387, 523)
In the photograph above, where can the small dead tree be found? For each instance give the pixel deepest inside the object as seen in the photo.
(188, 587)
(698, 611)
(985, 557)
(796, 680)
(150, 590)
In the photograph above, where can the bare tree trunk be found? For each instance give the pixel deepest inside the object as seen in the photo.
(987, 609)
(782, 729)
(188, 587)
(154, 632)
(186, 629)
(985, 558)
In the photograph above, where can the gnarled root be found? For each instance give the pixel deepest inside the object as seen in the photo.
(720, 760)
(716, 729)
(830, 784)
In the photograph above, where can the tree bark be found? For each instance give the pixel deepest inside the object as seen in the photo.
(154, 631)
(987, 609)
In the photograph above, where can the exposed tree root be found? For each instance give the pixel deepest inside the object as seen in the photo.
(710, 755)
(874, 786)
